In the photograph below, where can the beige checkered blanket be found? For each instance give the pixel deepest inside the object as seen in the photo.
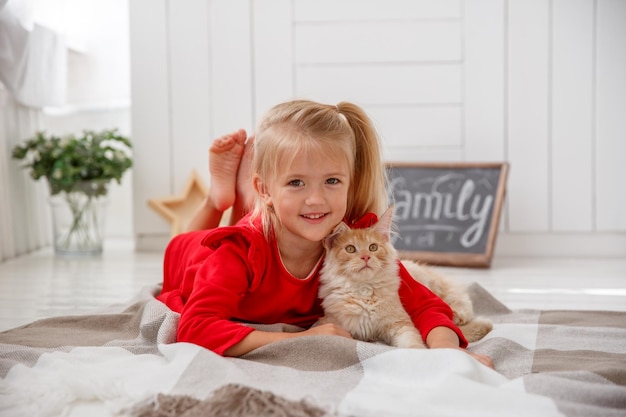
(124, 361)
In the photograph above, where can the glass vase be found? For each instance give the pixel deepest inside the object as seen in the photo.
(78, 218)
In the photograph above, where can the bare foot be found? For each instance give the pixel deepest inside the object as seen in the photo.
(224, 159)
(245, 188)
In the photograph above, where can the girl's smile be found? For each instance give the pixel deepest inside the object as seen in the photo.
(314, 217)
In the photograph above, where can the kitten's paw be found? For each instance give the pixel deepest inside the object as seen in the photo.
(409, 340)
(476, 329)
(462, 314)
(461, 305)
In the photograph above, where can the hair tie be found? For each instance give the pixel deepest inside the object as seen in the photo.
(367, 220)
(340, 114)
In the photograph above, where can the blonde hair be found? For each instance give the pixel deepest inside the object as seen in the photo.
(342, 130)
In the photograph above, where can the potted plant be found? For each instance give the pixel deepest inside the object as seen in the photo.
(78, 171)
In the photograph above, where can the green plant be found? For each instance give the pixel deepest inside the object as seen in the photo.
(79, 169)
(68, 161)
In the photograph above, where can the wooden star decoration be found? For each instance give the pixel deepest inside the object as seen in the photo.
(178, 210)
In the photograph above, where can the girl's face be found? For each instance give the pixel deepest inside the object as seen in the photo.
(309, 197)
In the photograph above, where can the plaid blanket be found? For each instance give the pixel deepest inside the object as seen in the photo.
(123, 361)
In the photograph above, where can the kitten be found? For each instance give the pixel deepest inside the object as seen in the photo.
(359, 284)
(359, 288)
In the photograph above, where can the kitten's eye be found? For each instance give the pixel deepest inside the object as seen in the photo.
(350, 249)
(373, 247)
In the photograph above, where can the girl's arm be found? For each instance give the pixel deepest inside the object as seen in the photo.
(427, 310)
(435, 317)
(442, 337)
(259, 338)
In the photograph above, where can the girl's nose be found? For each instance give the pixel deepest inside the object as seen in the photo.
(315, 196)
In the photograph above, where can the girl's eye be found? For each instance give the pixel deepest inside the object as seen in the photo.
(332, 181)
(296, 183)
(350, 249)
(373, 247)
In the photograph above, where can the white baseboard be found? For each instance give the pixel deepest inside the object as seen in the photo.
(151, 243)
(584, 245)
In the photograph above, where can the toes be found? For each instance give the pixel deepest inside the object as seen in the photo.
(222, 144)
(227, 142)
(240, 136)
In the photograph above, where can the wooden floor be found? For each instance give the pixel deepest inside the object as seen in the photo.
(41, 285)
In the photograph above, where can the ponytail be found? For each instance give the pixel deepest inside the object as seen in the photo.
(369, 192)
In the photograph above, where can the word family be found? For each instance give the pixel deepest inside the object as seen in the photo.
(449, 202)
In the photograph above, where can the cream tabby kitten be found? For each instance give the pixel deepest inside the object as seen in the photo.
(359, 288)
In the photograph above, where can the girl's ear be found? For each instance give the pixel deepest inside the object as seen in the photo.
(261, 189)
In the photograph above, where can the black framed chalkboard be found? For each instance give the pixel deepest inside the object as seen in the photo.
(447, 213)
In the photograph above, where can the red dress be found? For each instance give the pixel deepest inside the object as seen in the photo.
(224, 277)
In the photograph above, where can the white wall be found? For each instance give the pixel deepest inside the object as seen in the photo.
(98, 83)
(538, 83)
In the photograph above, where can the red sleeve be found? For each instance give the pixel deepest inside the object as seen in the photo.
(183, 257)
(221, 281)
(426, 309)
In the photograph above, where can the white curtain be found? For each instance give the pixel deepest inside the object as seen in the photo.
(25, 223)
(33, 71)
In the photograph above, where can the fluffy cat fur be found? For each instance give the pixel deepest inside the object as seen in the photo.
(455, 295)
(359, 285)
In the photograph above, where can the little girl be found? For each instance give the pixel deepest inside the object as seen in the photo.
(311, 166)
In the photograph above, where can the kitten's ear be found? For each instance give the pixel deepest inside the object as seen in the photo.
(337, 231)
(384, 223)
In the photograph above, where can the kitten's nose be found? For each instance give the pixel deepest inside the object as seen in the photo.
(365, 258)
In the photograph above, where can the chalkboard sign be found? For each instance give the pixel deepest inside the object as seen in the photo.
(447, 213)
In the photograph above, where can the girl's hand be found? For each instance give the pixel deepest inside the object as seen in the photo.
(484, 359)
(258, 338)
(443, 337)
(327, 329)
